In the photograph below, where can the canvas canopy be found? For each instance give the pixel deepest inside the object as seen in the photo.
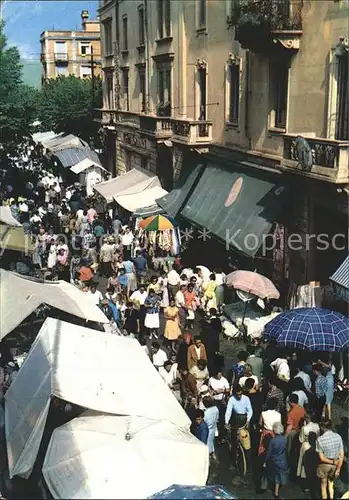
(73, 155)
(64, 142)
(41, 137)
(84, 165)
(142, 199)
(7, 218)
(134, 181)
(14, 238)
(98, 371)
(89, 457)
(16, 289)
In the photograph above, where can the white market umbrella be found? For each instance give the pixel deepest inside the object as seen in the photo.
(108, 456)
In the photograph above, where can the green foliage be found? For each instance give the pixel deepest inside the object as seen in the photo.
(66, 105)
(18, 103)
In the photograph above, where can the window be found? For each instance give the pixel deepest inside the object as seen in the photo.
(141, 34)
(144, 162)
(60, 48)
(85, 48)
(142, 90)
(108, 38)
(278, 95)
(164, 18)
(342, 99)
(234, 91)
(85, 72)
(202, 93)
(109, 84)
(124, 33)
(201, 14)
(125, 104)
(128, 160)
(164, 90)
(61, 70)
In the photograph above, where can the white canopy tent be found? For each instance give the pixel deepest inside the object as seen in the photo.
(141, 199)
(88, 368)
(41, 137)
(134, 181)
(20, 296)
(90, 173)
(7, 218)
(95, 456)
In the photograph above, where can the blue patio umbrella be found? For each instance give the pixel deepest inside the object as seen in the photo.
(178, 491)
(310, 328)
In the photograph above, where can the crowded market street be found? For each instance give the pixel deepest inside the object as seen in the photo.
(226, 372)
(174, 260)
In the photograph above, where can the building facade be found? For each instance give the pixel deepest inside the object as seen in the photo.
(77, 53)
(260, 82)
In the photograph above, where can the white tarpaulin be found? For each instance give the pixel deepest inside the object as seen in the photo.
(84, 165)
(134, 181)
(41, 137)
(93, 369)
(20, 296)
(7, 218)
(104, 456)
(142, 199)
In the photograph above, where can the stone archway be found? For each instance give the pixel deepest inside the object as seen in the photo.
(164, 166)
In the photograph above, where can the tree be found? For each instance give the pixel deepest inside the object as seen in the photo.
(18, 103)
(66, 105)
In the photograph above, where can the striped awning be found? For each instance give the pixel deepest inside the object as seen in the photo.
(341, 276)
(71, 156)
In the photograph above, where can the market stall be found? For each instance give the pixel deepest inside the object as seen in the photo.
(90, 173)
(59, 364)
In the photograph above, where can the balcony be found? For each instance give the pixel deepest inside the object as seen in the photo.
(190, 132)
(268, 25)
(61, 57)
(155, 126)
(329, 158)
(128, 119)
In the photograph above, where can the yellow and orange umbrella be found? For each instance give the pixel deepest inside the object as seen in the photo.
(157, 223)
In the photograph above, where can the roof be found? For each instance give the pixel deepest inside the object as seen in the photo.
(71, 156)
(134, 181)
(174, 201)
(84, 165)
(142, 199)
(63, 142)
(7, 218)
(31, 293)
(13, 238)
(61, 351)
(41, 137)
(237, 205)
(341, 276)
(148, 211)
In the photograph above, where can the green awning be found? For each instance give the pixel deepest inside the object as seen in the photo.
(237, 205)
(173, 202)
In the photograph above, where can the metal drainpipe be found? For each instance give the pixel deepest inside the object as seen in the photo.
(247, 98)
(117, 58)
(147, 56)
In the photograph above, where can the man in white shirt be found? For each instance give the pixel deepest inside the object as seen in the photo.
(219, 386)
(159, 356)
(95, 295)
(139, 296)
(281, 368)
(173, 281)
(127, 238)
(305, 377)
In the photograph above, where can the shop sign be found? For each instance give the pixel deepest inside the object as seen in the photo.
(135, 141)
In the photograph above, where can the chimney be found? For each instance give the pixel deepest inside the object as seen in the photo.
(84, 17)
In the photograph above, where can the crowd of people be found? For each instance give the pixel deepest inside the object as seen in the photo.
(280, 401)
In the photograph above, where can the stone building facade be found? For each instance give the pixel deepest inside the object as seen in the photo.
(65, 53)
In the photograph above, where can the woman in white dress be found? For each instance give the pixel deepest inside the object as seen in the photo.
(52, 255)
